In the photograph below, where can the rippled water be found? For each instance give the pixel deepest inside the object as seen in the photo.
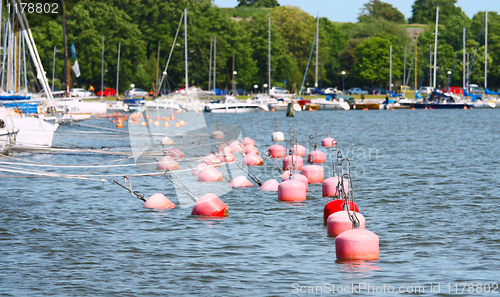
(426, 181)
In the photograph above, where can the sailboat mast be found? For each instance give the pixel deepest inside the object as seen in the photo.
(416, 65)
(66, 63)
(390, 69)
(269, 53)
(118, 69)
(404, 70)
(435, 47)
(317, 50)
(102, 68)
(215, 61)
(210, 64)
(186, 48)
(463, 62)
(486, 54)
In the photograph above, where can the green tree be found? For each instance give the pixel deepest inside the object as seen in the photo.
(379, 9)
(258, 3)
(424, 11)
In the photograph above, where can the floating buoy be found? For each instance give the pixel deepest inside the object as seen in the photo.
(465, 107)
(413, 108)
(316, 157)
(114, 121)
(182, 123)
(119, 125)
(315, 173)
(296, 176)
(273, 110)
(144, 124)
(157, 123)
(248, 140)
(196, 111)
(210, 205)
(158, 118)
(329, 142)
(147, 116)
(278, 137)
(250, 148)
(225, 149)
(336, 206)
(158, 201)
(177, 125)
(330, 187)
(226, 157)
(218, 134)
(300, 150)
(167, 141)
(200, 167)
(211, 159)
(277, 151)
(175, 153)
(209, 174)
(298, 162)
(292, 191)
(236, 145)
(270, 186)
(357, 244)
(426, 107)
(339, 222)
(164, 119)
(252, 159)
(240, 182)
(167, 163)
(150, 120)
(166, 124)
(172, 117)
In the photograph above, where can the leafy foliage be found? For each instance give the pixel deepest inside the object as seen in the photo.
(379, 9)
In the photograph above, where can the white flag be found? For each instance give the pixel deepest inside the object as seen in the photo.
(76, 69)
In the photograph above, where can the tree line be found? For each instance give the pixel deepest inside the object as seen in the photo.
(361, 49)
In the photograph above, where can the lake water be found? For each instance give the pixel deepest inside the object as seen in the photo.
(427, 182)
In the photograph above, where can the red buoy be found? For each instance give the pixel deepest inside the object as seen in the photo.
(210, 205)
(225, 148)
(209, 174)
(158, 201)
(218, 134)
(292, 191)
(240, 182)
(336, 206)
(211, 159)
(329, 142)
(315, 173)
(316, 157)
(252, 159)
(300, 150)
(357, 244)
(270, 186)
(167, 163)
(297, 161)
(236, 145)
(226, 157)
(175, 153)
(167, 141)
(339, 222)
(330, 187)
(200, 167)
(248, 140)
(277, 151)
(296, 176)
(250, 148)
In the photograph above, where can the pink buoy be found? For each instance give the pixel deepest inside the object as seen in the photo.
(225, 149)
(292, 191)
(252, 159)
(298, 162)
(218, 134)
(250, 148)
(236, 145)
(357, 244)
(211, 159)
(175, 153)
(226, 157)
(315, 173)
(336, 206)
(316, 157)
(296, 176)
(209, 174)
(300, 150)
(329, 142)
(339, 222)
(210, 205)
(248, 140)
(167, 141)
(277, 151)
(278, 137)
(270, 186)
(240, 182)
(200, 167)
(330, 187)
(167, 163)
(158, 201)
